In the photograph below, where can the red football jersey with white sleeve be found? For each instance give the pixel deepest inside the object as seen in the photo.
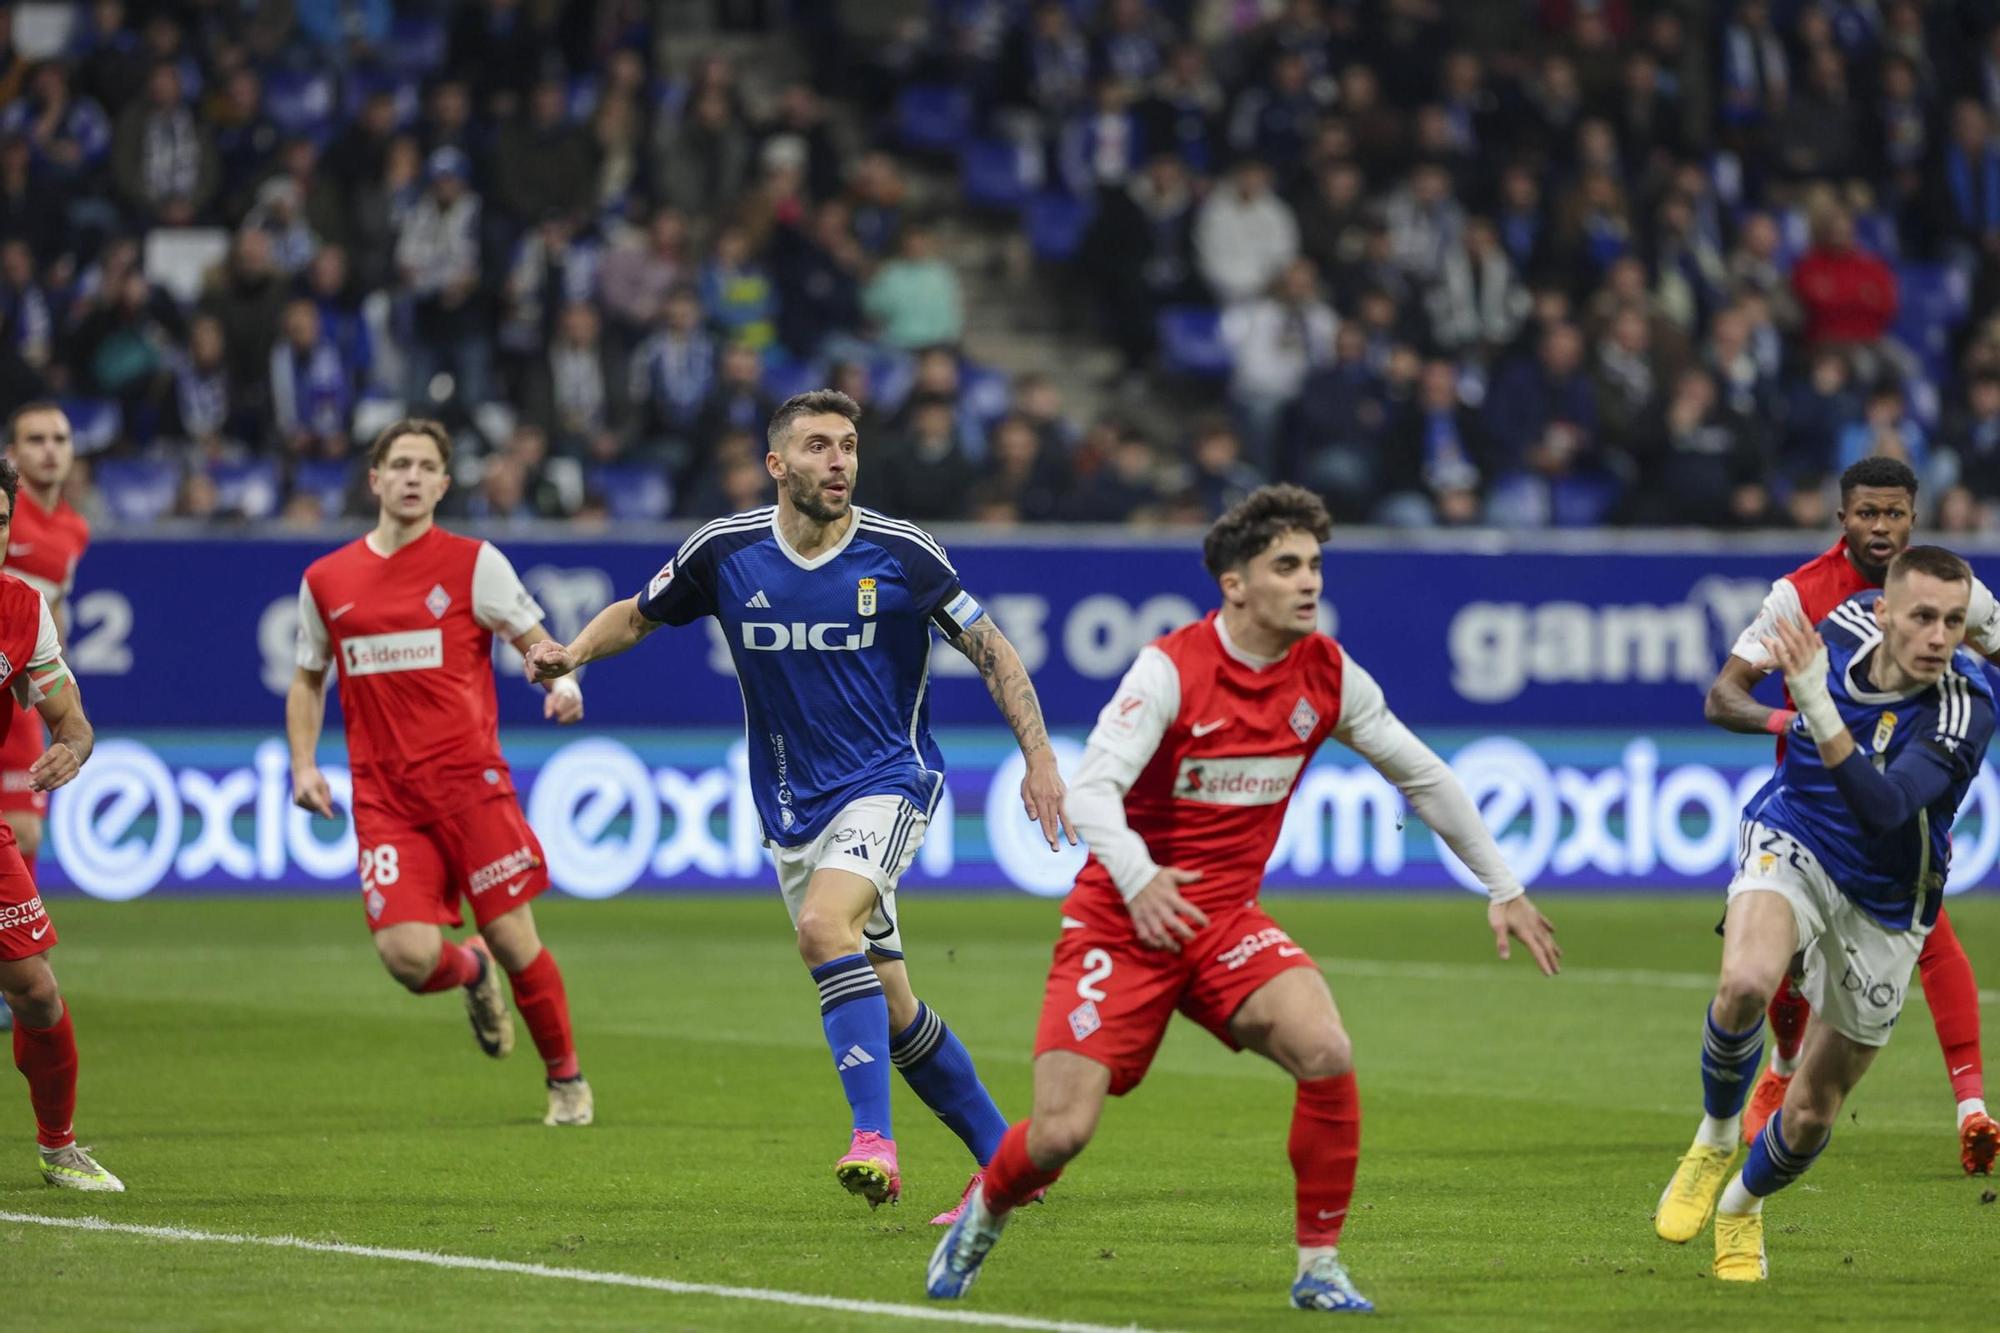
(412, 636)
(1223, 741)
(44, 546)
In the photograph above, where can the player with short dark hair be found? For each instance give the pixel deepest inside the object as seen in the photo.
(1842, 859)
(32, 669)
(1181, 794)
(1878, 502)
(828, 610)
(46, 540)
(408, 612)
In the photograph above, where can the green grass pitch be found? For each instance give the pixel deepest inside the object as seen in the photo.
(248, 1068)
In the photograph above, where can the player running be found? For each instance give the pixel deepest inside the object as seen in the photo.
(32, 669)
(1878, 499)
(409, 612)
(42, 550)
(1181, 794)
(828, 610)
(1842, 855)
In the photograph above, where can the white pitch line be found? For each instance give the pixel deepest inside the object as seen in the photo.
(931, 1314)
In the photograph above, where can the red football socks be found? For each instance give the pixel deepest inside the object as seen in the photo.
(544, 1006)
(1325, 1147)
(1953, 995)
(1789, 1013)
(456, 966)
(47, 1057)
(1012, 1176)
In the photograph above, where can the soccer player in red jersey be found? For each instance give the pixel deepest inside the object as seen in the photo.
(1878, 499)
(409, 612)
(47, 540)
(32, 669)
(1181, 794)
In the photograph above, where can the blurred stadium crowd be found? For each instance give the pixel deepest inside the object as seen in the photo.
(1524, 263)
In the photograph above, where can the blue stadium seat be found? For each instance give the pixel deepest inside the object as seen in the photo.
(983, 392)
(989, 175)
(363, 83)
(1794, 235)
(1583, 501)
(789, 377)
(325, 480)
(137, 490)
(302, 102)
(933, 118)
(1191, 341)
(1056, 225)
(890, 379)
(94, 423)
(250, 489)
(1932, 300)
(417, 43)
(633, 493)
(1876, 233)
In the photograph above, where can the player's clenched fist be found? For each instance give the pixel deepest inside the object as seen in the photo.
(548, 659)
(57, 765)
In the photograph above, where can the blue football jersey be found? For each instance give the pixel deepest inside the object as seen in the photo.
(1897, 877)
(832, 653)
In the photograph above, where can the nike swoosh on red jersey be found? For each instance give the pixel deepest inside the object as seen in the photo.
(37, 934)
(1203, 728)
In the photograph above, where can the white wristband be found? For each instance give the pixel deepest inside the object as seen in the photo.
(1809, 691)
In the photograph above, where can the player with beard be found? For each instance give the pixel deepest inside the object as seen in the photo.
(1878, 501)
(828, 611)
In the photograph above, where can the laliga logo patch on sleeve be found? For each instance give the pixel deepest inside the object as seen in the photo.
(660, 581)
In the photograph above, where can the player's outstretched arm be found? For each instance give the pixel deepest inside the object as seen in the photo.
(1007, 681)
(1731, 706)
(70, 736)
(305, 714)
(1369, 729)
(610, 632)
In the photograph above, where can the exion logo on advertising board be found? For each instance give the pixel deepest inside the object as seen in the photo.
(655, 811)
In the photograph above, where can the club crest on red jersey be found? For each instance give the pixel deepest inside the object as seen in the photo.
(6, 667)
(1304, 719)
(436, 600)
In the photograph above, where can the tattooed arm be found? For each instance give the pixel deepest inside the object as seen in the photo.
(1007, 681)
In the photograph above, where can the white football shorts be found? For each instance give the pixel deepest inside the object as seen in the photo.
(877, 838)
(1857, 970)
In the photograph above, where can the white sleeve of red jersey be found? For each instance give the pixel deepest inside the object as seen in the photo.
(1128, 731)
(1369, 729)
(1982, 621)
(499, 601)
(1781, 603)
(46, 670)
(313, 643)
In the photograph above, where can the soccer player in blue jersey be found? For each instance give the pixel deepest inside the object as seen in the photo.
(1842, 857)
(828, 609)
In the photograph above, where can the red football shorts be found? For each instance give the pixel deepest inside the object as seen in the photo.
(1109, 997)
(26, 739)
(484, 853)
(26, 928)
